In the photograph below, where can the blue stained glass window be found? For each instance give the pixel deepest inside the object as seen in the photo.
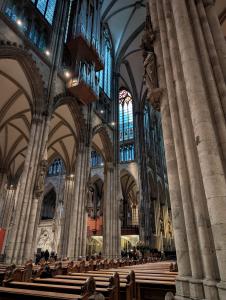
(47, 8)
(96, 159)
(50, 10)
(41, 5)
(126, 126)
(105, 77)
(56, 168)
(125, 116)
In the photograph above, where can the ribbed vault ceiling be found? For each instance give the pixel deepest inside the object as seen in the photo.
(15, 116)
(126, 22)
(125, 19)
(63, 137)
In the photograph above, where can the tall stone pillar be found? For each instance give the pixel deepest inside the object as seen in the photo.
(180, 235)
(218, 69)
(201, 235)
(7, 211)
(24, 193)
(68, 197)
(111, 220)
(3, 193)
(217, 33)
(35, 211)
(207, 142)
(77, 213)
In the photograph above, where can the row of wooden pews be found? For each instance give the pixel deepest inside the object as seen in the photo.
(117, 279)
(152, 280)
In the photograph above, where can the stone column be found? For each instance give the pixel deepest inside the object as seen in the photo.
(77, 211)
(213, 76)
(217, 68)
(203, 129)
(172, 167)
(217, 33)
(35, 211)
(24, 193)
(111, 222)
(197, 194)
(194, 252)
(7, 211)
(180, 235)
(3, 194)
(69, 186)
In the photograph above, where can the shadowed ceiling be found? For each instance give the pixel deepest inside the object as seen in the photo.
(126, 19)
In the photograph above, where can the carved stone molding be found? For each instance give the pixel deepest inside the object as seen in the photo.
(155, 98)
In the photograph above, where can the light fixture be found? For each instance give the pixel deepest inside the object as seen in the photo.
(47, 52)
(67, 74)
(102, 111)
(112, 123)
(19, 22)
(72, 175)
(102, 164)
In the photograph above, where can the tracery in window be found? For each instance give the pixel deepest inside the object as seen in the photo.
(126, 126)
(105, 76)
(125, 116)
(96, 159)
(56, 168)
(47, 8)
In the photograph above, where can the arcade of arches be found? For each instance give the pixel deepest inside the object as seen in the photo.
(113, 133)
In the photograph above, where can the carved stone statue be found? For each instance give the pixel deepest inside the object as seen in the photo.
(150, 64)
(40, 181)
(150, 70)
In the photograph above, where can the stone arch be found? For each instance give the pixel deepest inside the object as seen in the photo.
(130, 201)
(13, 51)
(67, 130)
(79, 120)
(104, 145)
(22, 100)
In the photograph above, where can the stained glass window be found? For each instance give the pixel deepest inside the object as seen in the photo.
(96, 159)
(126, 126)
(56, 168)
(47, 8)
(125, 116)
(105, 76)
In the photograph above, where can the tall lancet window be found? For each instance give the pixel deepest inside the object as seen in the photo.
(126, 126)
(105, 76)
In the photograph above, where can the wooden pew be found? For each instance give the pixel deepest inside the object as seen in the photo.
(111, 279)
(105, 288)
(127, 281)
(15, 290)
(151, 279)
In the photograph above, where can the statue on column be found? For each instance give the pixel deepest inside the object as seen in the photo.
(150, 64)
(40, 180)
